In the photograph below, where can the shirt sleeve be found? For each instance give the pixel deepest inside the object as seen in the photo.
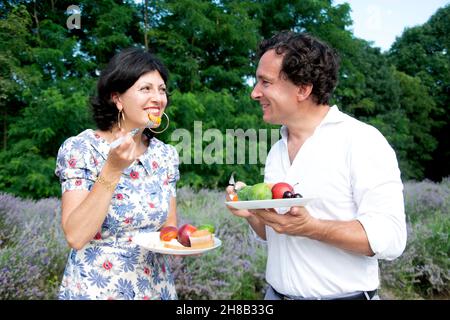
(174, 173)
(75, 165)
(378, 193)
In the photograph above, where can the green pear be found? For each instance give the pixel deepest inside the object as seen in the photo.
(243, 193)
(260, 191)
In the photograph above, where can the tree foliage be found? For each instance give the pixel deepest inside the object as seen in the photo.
(423, 52)
(48, 72)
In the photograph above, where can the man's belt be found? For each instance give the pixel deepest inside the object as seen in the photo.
(359, 295)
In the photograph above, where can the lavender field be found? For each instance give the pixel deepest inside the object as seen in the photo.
(33, 251)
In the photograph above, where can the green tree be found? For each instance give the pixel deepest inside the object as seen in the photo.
(205, 43)
(14, 31)
(48, 72)
(423, 52)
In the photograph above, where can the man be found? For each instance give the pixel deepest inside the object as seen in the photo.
(330, 248)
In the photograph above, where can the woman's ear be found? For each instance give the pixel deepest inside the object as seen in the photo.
(304, 91)
(116, 99)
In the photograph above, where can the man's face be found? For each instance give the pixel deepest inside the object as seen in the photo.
(276, 94)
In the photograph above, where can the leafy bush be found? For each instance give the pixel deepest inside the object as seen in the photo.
(236, 269)
(423, 271)
(33, 251)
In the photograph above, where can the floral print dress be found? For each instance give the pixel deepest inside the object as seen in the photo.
(111, 266)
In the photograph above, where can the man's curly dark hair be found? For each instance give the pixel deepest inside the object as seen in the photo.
(306, 60)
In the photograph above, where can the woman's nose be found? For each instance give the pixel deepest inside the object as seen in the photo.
(157, 96)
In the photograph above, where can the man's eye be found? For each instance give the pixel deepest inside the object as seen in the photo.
(265, 83)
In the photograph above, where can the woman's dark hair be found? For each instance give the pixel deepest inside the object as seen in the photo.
(306, 60)
(122, 71)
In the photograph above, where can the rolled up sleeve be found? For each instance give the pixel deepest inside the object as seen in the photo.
(378, 193)
(75, 165)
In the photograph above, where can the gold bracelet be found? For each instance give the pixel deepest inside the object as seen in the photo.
(110, 186)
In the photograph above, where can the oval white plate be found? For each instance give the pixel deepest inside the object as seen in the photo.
(150, 241)
(272, 203)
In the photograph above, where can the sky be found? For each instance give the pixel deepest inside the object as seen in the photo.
(381, 21)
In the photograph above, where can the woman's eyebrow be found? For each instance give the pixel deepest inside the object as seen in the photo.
(151, 84)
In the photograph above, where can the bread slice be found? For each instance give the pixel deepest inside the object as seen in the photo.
(201, 239)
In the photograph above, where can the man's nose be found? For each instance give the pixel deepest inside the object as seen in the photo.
(256, 94)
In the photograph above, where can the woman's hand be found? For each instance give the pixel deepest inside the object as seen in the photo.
(122, 156)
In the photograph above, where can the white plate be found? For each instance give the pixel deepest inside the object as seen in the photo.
(272, 203)
(152, 242)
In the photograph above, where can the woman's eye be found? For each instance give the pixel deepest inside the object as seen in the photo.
(145, 89)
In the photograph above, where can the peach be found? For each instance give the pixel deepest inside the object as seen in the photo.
(168, 233)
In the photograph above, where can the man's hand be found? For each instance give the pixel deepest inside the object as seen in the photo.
(236, 212)
(252, 219)
(296, 222)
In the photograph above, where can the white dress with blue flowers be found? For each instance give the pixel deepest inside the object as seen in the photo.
(111, 266)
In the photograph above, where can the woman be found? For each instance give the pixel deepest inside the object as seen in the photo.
(110, 194)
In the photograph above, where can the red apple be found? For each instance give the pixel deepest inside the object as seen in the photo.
(183, 234)
(280, 188)
(168, 233)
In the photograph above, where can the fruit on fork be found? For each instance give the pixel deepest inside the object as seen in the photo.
(155, 120)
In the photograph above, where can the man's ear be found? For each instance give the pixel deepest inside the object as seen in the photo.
(304, 91)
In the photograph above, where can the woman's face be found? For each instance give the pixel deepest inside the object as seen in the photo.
(147, 95)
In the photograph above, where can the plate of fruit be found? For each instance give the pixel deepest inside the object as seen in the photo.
(186, 240)
(266, 196)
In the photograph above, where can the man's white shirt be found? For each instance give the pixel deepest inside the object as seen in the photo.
(352, 170)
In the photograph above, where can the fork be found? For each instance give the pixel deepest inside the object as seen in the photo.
(151, 122)
(120, 140)
(231, 181)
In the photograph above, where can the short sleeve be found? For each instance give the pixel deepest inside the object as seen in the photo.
(173, 171)
(378, 193)
(75, 165)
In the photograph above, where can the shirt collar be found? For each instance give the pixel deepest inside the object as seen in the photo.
(147, 158)
(334, 115)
